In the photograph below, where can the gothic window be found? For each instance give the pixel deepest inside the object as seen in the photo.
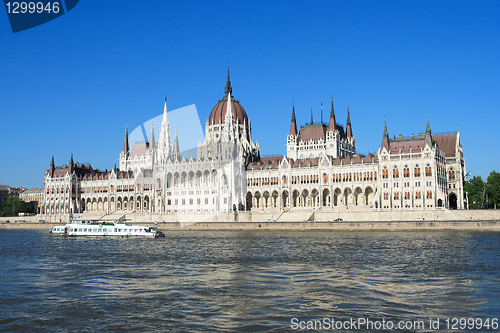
(406, 172)
(428, 170)
(417, 171)
(395, 172)
(451, 174)
(385, 173)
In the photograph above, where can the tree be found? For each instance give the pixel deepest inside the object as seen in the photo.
(474, 188)
(13, 206)
(493, 190)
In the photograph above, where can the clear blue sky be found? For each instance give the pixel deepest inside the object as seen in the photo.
(73, 84)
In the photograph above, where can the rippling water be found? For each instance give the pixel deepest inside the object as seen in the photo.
(243, 281)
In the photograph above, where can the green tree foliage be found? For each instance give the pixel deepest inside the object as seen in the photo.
(474, 188)
(13, 206)
(493, 190)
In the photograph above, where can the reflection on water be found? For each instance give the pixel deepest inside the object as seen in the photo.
(243, 281)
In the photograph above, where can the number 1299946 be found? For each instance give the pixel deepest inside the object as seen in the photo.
(32, 7)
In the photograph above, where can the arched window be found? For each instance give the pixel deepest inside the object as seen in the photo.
(451, 174)
(395, 172)
(428, 170)
(406, 172)
(417, 171)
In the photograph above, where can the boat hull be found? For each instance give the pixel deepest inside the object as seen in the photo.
(106, 230)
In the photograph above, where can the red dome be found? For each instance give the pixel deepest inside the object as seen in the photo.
(218, 114)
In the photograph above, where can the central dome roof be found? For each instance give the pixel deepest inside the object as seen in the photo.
(218, 114)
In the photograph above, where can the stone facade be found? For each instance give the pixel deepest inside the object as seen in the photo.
(422, 173)
(321, 171)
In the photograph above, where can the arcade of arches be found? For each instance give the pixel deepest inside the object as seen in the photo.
(314, 198)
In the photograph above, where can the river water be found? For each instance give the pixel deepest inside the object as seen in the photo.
(276, 281)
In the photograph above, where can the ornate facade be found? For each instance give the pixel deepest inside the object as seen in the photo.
(423, 172)
(321, 170)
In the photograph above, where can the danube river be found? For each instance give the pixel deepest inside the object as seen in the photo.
(246, 281)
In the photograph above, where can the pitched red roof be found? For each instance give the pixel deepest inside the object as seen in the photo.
(313, 132)
(446, 143)
(139, 149)
(404, 146)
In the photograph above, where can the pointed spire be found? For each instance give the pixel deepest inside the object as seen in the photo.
(428, 135)
(126, 148)
(228, 88)
(164, 142)
(312, 122)
(348, 124)
(71, 165)
(386, 134)
(293, 125)
(333, 124)
(427, 127)
(52, 167)
(152, 137)
(177, 150)
(385, 137)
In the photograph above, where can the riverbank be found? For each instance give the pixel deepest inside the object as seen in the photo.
(294, 219)
(298, 226)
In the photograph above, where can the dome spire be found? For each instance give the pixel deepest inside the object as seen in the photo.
(228, 88)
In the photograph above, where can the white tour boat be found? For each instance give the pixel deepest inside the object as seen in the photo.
(106, 228)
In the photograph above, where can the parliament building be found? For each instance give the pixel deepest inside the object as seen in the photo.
(321, 171)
